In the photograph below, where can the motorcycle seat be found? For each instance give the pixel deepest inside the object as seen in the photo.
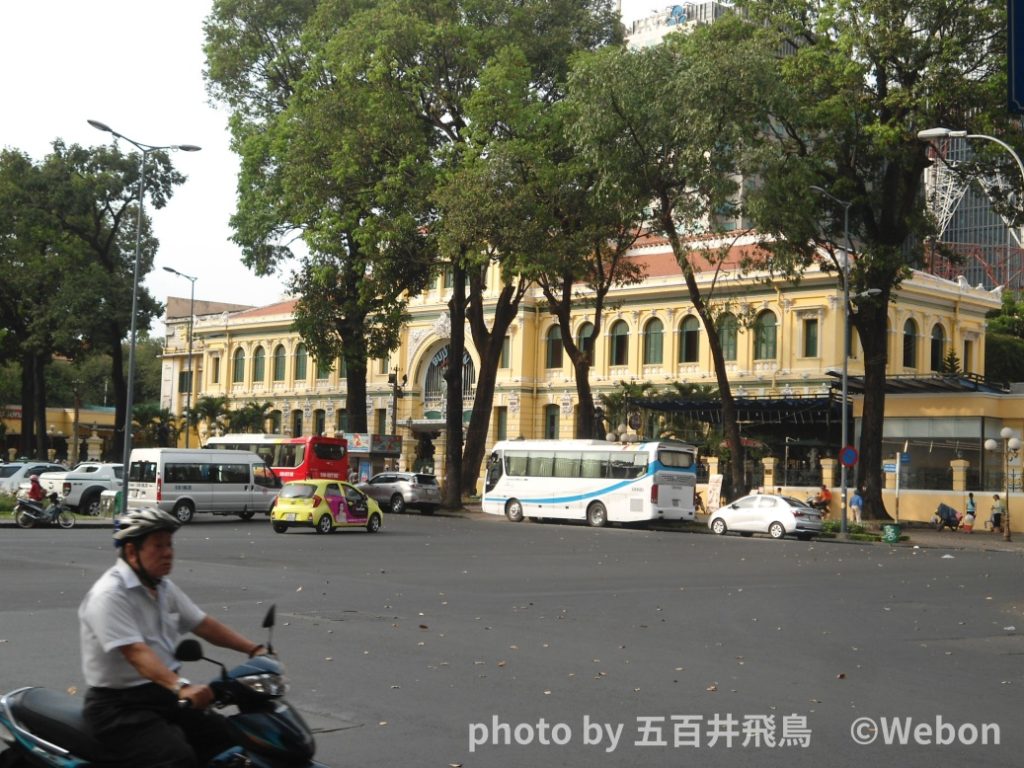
(57, 718)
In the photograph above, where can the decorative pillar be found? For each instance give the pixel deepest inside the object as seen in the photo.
(960, 474)
(95, 446)
(768, 462)
(828, 472)
(712, 465)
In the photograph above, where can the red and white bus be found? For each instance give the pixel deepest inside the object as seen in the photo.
(292, 458)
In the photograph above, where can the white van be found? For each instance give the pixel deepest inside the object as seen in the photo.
(185, 481)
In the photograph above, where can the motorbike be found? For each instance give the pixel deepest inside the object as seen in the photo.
(46, 727)
(32, 514)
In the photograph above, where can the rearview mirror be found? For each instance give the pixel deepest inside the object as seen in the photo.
(189, 650)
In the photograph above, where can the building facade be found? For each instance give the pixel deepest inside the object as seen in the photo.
(782, 340)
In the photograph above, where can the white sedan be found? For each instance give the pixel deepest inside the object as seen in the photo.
(777, 516)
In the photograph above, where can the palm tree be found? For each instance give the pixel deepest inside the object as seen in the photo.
(157, 425)
(211, 412)
(250, 417)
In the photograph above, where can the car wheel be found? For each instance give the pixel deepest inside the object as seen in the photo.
(427, 510)
(776, 530)
(514, 510)
(718, 526)
(90, 505)
(397, 504)
(247, 515)
(324, 524)
(373, 524)
(280, 527)
(183, 511)
(597, 515)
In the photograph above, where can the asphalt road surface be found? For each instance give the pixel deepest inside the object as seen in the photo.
(455, 641)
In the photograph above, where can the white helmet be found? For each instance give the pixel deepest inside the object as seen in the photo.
(142, 522)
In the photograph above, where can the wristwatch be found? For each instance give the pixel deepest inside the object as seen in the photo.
(182, 682)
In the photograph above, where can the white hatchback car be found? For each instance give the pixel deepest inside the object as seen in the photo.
(777, 516)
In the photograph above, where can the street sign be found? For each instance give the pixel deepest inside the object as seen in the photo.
(890, 467)
(848, 456)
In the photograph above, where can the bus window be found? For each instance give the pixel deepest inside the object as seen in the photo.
(517, 463)
(594, 465)
(542, 464)
(288, 456)
(621, 466)
(493, 471)
(567, 464)
(328, 451)
(679, 459)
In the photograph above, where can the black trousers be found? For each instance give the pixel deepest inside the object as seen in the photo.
(145, 728)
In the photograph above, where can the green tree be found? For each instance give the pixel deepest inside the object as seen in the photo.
(674, 124)
(211, 413)
(1008, 320)
(250, 417)
(862, 79)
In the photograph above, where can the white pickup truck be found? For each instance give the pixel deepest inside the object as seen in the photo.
(81, 487)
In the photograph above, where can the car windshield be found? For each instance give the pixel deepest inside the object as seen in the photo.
(298, 491)
(9, 470)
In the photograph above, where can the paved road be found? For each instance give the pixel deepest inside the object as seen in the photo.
(402, 647)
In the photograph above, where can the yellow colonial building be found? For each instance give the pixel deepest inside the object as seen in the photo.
(783, 344)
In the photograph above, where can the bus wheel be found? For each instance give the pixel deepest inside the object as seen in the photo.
(184, 510)
(280, 527)
(514, 510)
(247, 515)
(597, 515)
(324, 524)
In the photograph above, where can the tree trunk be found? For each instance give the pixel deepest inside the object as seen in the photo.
(453, 377)
(488, 345)
(872, 327)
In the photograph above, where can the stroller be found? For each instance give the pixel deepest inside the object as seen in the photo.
(946, 515)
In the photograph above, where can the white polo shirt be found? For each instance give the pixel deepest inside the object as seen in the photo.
(118, 611)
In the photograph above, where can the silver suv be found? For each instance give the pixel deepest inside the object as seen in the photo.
(398, 490)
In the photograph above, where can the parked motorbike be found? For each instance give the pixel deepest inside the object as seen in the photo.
(48, 725)
(32, 514)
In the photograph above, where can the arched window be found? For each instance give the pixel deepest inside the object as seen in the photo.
(910, 344)
(296, 423)
(654, 335)
(319, 421)
(765, 329)
(727, 327)
(259, 365)
(279, 360)
(619, 343)
(275, 422)
(323, 368)
(689, 339)
(434, 384)
(238, 366)
(938, 346)
(585, 340)
(551, 417)
(553, 348)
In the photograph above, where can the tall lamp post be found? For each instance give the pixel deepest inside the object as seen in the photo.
(145, 149)
(191, 319)
(1011, 450)
(844, 269)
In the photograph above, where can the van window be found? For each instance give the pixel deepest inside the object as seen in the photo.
(186, 473)
(142, 472)
(265, 476)
(232, 473)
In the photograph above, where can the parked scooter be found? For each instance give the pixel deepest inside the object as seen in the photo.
(48, 725)
(32, 514)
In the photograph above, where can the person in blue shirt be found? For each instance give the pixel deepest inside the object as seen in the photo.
(857, 504)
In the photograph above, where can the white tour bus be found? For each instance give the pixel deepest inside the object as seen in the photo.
(184, 481)
(591, 480)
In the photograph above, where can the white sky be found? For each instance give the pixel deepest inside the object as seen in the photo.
(137, 66)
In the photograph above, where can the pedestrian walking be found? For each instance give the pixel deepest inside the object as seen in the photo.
(970, 512)
(857, 505)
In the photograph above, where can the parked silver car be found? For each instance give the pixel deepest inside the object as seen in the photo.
(14, 474)
(777, 516)
(397, 490)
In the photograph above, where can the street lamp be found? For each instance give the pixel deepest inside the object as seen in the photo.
(1011, 450)
(191, 319)
(145, 149)
(844, 269)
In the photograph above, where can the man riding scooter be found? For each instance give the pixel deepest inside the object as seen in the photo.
(822, 500)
